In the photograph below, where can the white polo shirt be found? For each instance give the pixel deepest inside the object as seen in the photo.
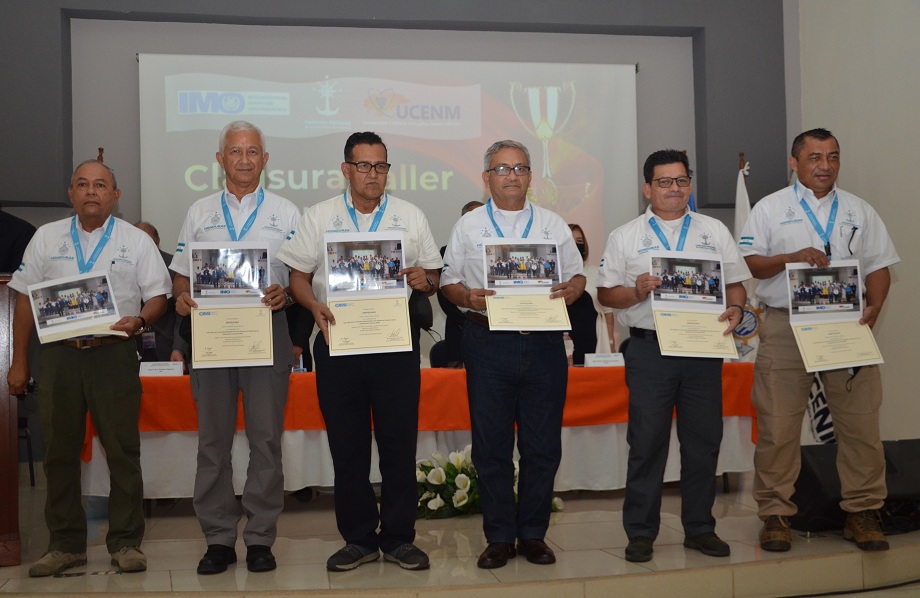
(463, 258)
(778, 225)
(133, 263)
(275, 221)
(306, 251)
(626, 256)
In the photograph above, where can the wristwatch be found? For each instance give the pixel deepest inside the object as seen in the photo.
(288, 300)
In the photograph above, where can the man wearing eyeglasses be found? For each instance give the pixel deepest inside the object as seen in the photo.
(658, 385)
(512, 379)
(351, 391)
(814, 221)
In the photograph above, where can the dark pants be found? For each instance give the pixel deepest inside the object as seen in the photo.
(102, 380)
(354, 390)
(515, 378)
(658, 385)
(583, 318)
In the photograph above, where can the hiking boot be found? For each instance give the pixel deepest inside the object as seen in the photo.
(56, 561)
(865, 528)
(129, 559)
(775, 535)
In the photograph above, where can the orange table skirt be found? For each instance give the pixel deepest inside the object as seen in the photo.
(595, 396)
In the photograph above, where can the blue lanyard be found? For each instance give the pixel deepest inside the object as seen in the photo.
(664, 240)
(498, 231)
(354, 213)
(824, 233)
(229, 220)
(87, 266)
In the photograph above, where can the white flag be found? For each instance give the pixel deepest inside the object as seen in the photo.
(746, 332)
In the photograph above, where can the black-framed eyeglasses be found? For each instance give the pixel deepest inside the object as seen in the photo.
(506, 170)
(365, 167)
(665, 182)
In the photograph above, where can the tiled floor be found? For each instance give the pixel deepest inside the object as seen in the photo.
(587, 536)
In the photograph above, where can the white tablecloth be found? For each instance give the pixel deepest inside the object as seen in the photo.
(593, 458)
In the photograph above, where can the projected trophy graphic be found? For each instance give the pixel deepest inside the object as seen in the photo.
(539, 108)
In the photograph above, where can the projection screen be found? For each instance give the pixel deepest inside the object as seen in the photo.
(436, 117)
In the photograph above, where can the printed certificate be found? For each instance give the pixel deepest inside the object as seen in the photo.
(232, 337)
(527, 312)
(825, 306)
(522, 273)
(366, 293)
(687, 305)
(370, 325)
(74, 306)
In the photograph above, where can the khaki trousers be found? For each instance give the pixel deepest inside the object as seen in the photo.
(781, 387)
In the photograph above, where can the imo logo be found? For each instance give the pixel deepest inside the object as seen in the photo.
(211, 102)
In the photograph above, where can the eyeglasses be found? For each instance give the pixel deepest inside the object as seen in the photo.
(665, 182)
(365, 167)
(506, 170)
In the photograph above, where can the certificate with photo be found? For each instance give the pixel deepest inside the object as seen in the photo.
(522, 273)
(366, 294)
(229, 273)
(82, 305)
(687, 305)
(825, 306)
(225, 337)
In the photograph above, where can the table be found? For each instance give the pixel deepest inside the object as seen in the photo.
(594, 434)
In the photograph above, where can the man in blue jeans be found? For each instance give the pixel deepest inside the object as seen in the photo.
(512, 378)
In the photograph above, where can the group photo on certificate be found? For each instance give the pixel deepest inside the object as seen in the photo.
(74, 306)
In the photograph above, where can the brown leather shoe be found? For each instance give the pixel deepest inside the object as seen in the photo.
(865, 528)
(496, 555)
(536, 552)
(775, 535)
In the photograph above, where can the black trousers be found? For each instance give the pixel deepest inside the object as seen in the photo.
(355, 390)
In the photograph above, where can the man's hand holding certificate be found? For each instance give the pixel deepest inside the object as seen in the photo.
(688, 305)
(523, 275)
(825, 309)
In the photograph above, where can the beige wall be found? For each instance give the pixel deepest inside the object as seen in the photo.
(860, 79)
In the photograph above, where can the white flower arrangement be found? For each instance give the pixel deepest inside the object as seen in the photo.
(449, 486)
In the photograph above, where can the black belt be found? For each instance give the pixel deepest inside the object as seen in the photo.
(643, 333)
(96, 341)
(478, 318)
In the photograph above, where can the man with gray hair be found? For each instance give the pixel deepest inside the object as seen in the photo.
(95, 374)
(243, 211)
(512, 379)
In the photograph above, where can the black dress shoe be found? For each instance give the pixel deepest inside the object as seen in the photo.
(496, 555)
(216, 559)
(536, 551)
(260, 558)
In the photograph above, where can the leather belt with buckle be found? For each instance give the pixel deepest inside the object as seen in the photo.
(96, 341)
(642, 333)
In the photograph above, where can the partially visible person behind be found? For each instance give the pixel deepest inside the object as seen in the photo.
(98, 374)
(815, 221)
(453, 326)
(243, 211)
(592, 323)
(660, 385)
(16, 236)
(161, 341)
